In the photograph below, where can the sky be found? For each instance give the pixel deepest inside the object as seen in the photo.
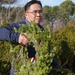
(53, 2)
(21, 3)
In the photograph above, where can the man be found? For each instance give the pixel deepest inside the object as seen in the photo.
(33, 13)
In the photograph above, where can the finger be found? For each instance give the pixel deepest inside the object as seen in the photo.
(26, 42)
(24, 34)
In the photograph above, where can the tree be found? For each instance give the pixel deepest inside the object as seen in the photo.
(47, 14)
(54, 12)
(67, 9)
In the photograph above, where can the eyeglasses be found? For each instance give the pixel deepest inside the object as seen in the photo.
(35, 12)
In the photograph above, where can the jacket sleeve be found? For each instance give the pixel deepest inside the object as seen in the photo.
(8, 34)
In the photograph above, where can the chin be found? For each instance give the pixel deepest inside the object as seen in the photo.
(38, 22)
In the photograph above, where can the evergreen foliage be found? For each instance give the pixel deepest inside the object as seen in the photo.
(64, 40)
(4, 58)
(44, 53)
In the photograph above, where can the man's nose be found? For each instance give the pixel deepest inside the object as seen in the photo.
(39, 13)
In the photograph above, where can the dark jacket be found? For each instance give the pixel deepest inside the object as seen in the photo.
(8, 34)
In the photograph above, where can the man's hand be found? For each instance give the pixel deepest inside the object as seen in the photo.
(23, 40)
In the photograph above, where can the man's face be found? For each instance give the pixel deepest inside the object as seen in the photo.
(34, 13)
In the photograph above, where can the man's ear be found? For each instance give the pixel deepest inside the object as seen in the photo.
(25, 14)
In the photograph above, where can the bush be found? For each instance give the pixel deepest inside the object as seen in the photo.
(59, 44)
(4, 58)
(44, 53)
(64, 40)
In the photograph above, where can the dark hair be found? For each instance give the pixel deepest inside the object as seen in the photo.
(30, 3)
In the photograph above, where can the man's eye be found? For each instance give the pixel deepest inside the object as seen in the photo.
(35, 11)
(40, 11)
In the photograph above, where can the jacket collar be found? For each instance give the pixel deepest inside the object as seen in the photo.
(26, 21)
(40, 26)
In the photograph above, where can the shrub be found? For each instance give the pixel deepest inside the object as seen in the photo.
(44, 53)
